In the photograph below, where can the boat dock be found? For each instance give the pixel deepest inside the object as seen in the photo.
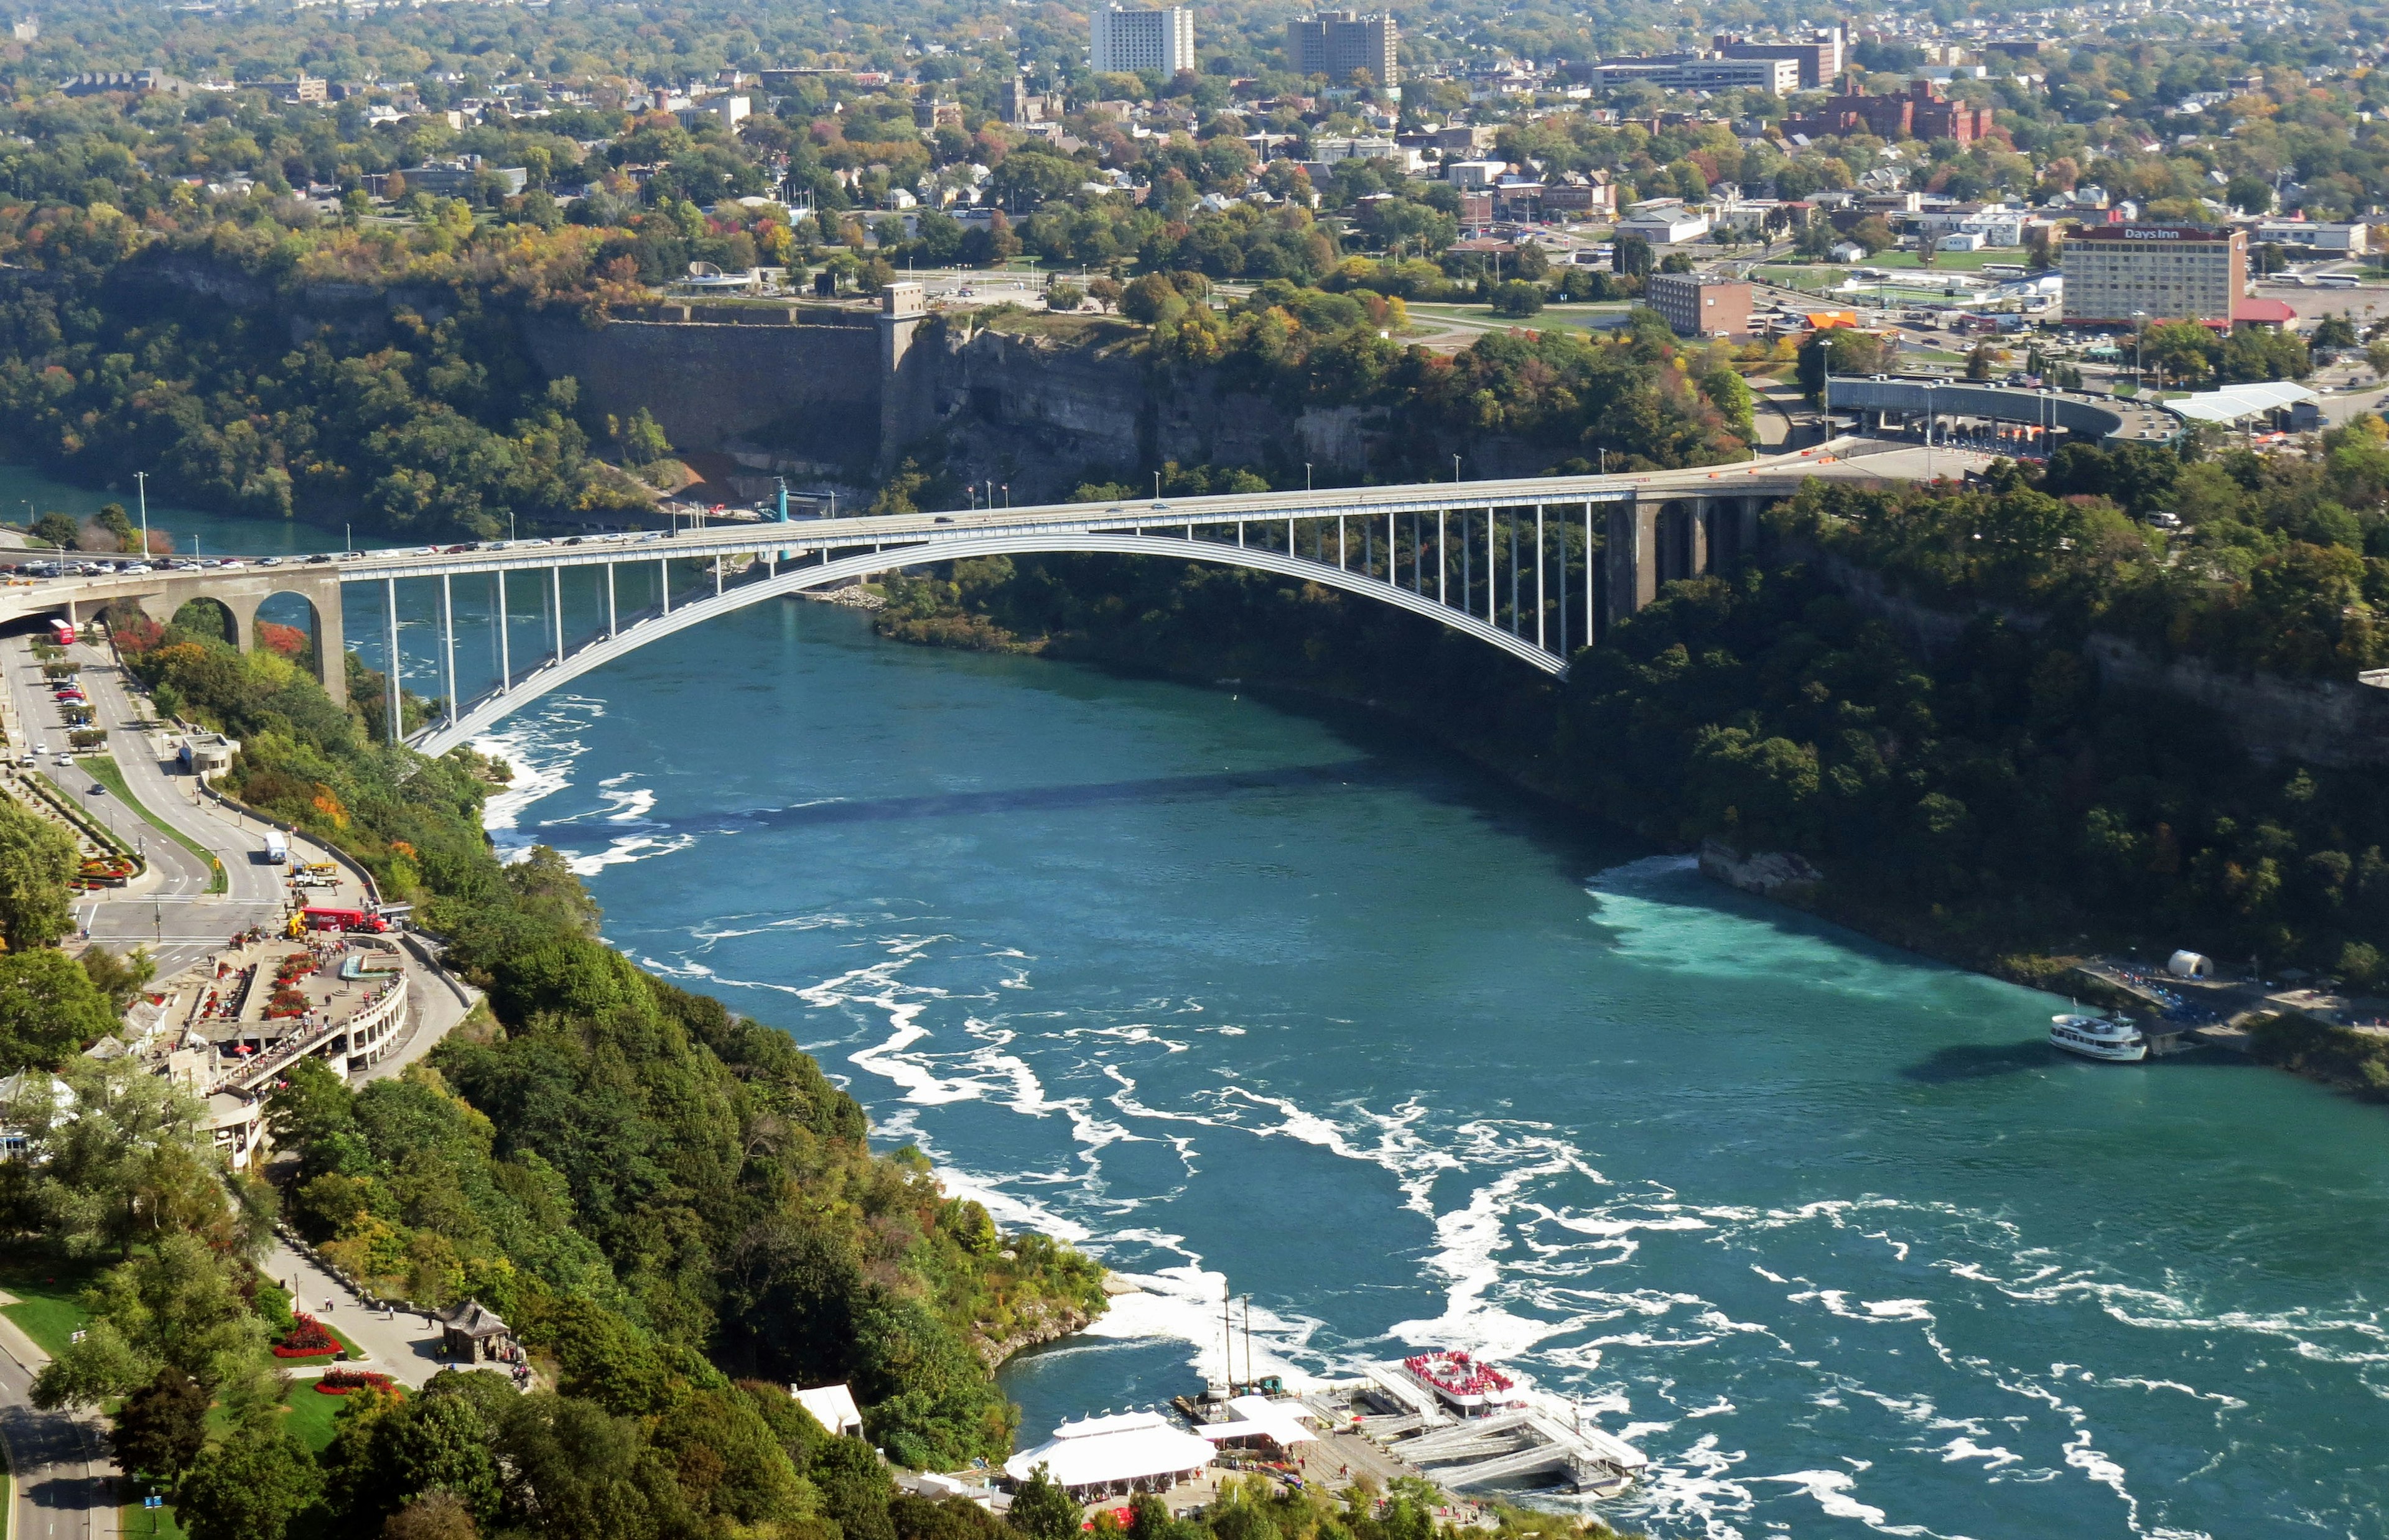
(1518, 1442)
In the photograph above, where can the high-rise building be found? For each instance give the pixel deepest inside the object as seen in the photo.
(2143, 273)
(1819, 58)
(1334, 43)
(1128, 41)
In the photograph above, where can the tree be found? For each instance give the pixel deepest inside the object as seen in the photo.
(1104, 291)
(1042, 1510)
(37, 861)
(48, 1010)
(55, 528)
(247, 1488)
(433, 1516)
(119, 978)
(642, 439)
(2332, 331)
(1515, 297)
(1978, 361)
(161, 1427)
(1063, 297)
(1631, 255)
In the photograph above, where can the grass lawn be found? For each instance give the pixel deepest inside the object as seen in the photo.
(311, 1414)
(104, 770)
(48, 1308)
(311, 1420)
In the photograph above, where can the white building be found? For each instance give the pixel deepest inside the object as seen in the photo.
(1666, 226)
(2323, 240)
(1127, 42)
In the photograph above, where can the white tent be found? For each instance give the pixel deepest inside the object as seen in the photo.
(1131, 1451)
(1258, 1417)
(2190, 965)
(832, 1406)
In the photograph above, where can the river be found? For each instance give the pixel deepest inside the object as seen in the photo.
(1250, 998)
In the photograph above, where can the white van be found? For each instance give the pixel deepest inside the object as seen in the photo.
(277, 849)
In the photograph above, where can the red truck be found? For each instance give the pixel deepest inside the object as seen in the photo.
(343, 920)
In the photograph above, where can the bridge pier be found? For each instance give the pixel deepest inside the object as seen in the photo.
(1646, 544)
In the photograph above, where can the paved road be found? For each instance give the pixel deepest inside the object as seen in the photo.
(64, 1475)
(171, 912)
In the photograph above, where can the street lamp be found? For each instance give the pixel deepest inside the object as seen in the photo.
(141, 481)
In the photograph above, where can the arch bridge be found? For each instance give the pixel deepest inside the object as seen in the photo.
(1534, 567)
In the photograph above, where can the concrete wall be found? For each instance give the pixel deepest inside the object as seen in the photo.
(774, 393)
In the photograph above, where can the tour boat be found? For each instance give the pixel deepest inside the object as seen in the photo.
(2097, 1037)
(1468, 1386)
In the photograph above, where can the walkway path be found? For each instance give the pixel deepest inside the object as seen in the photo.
(401, 1346)
(65, 1479)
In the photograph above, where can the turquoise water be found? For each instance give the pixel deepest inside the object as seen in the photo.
(1238, 997)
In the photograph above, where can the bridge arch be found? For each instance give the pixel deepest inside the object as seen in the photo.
(495, 706)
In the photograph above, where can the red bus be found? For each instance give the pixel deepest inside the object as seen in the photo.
(62, 634)
(343, 920)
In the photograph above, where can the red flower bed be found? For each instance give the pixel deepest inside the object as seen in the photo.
(306, 1340)
(340, 1381)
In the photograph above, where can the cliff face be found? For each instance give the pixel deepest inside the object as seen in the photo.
(2332, 723)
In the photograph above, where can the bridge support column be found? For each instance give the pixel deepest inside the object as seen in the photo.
(1696, 541)
(1632, 555)
(240, 612)
(506, 641)
(612, 628)
(447, 641)
(1542, 550)
(556, 587)
(390, 663)
(330, 643)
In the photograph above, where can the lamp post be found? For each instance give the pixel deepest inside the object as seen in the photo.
(141, 484)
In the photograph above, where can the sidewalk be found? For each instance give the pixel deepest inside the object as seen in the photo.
(401, 1346)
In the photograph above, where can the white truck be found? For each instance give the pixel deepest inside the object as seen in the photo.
(277, 849)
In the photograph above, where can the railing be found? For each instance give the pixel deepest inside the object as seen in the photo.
(248, 1072)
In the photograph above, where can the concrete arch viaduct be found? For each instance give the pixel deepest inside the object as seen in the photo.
(1491, 559)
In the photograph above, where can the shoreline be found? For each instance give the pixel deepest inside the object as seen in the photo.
(2322, 1054)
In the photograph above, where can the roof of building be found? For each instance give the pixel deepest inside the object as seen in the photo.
(2280, 313)
(831, 1406)
(1258, 1417)
(475, 1321)
(1099, 1451)
(2235, 401)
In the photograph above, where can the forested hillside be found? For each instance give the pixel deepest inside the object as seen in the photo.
(666, 1200)
(1768, 711)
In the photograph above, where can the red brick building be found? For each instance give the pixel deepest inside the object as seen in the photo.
(1919, 112)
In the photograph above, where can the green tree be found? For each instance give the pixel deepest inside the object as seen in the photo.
(37, 861)
(433, 1516)
(1978, 361)
(642, 439)
(119, 978)
(1516, 297)
(55, 529)
(48, 1010)
(247, 1488)
(1042, 1510)
(1630, 255)
(161, 1427)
